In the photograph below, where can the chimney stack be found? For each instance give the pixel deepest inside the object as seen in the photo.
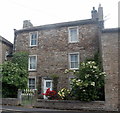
(100, 16)
(100, 13)
(27, 24)
(94, 14)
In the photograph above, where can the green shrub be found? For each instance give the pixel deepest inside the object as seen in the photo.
(88, 85)
(14, 74)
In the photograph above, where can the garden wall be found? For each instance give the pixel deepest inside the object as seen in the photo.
(10, 101)
(70, 104)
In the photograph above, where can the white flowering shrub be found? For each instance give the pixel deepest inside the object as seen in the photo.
(88, 85)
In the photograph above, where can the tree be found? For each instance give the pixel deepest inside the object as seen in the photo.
(21, 58)
(15, 74)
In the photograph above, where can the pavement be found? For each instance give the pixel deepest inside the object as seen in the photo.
(20, 109)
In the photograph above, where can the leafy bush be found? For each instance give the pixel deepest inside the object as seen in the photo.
(14, 74)
(89, 82)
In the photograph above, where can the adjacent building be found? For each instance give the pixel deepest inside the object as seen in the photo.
(110, 42)
(6, 48)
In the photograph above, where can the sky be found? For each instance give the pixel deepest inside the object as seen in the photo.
(42, 12)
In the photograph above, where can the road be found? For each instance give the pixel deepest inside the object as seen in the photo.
(18, 109)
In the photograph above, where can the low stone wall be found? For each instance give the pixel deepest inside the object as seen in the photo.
(70, 104)
(10, 101)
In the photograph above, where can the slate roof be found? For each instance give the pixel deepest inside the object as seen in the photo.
(57, 25)
(3, 40)
(111, 30)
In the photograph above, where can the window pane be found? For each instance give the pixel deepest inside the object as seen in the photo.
(31, 87)
(76, 64)
(32, 83)
(32, 62)
(32, 59)
(48, 84)
(74, 57)
(73, 34)
(32, 66)
(34, 36)
(33, 42)
(33, 39)
(72, 65)
(74, 61)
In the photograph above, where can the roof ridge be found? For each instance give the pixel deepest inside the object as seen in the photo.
(56, 25)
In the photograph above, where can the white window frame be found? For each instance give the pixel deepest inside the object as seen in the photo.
(29, 63)
(31, 78)
(69, 36)
(30, 34)
(70, 60)
(6, 54)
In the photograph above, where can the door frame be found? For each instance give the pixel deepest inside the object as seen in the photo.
(45, 80)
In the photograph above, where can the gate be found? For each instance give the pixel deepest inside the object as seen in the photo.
(27, 97)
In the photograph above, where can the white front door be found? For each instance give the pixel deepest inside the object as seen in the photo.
(47, 84)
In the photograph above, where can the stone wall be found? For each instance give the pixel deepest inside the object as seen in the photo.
(53, 49)
(10, 101)
(70, 105)
(109, 41)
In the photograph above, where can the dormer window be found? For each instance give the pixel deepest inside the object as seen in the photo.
(33, 38)
(73, 34)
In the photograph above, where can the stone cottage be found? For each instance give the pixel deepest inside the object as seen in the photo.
(55, 47)
(6, 48)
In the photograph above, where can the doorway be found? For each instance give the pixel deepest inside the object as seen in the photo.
(47, 84)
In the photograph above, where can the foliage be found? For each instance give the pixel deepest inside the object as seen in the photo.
(89, 82)
(9, 90)
(55, 81)
(54, 76)
(50, 94)
(21, 58)
(64, 94)
(97, 60)
(14, 75)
